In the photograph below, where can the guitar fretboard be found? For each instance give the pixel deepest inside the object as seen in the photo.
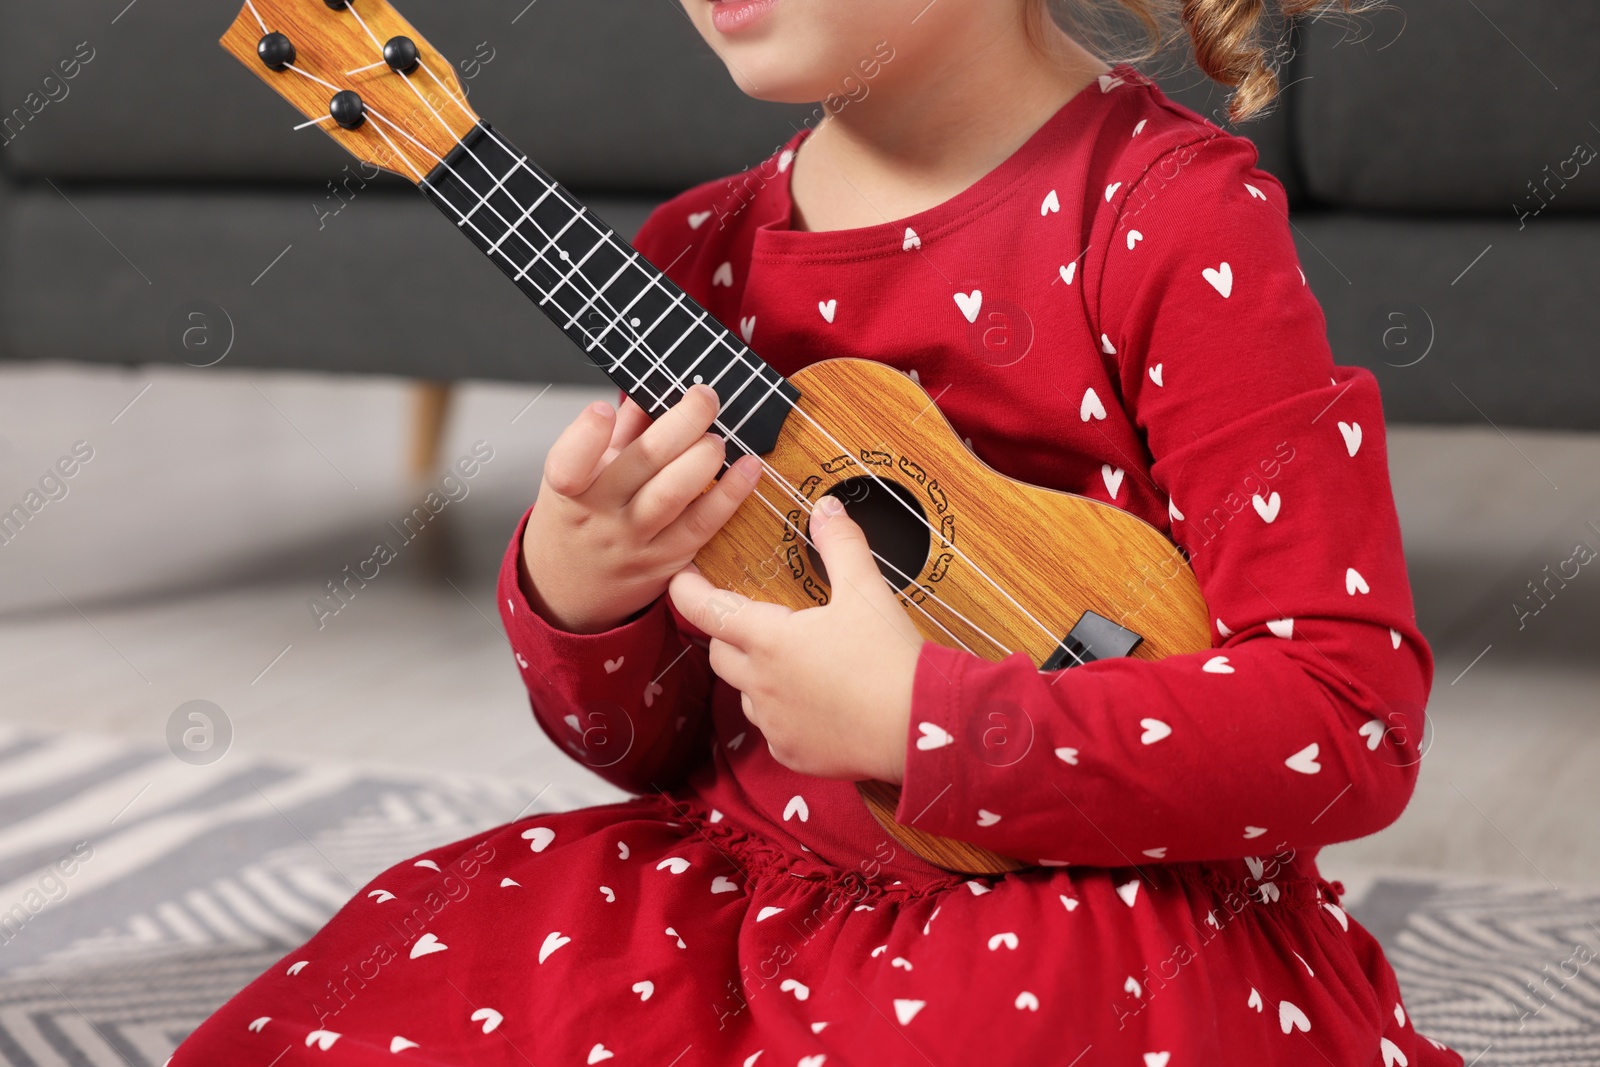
(625, 316)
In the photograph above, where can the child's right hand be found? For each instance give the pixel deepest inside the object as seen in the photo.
(623, 506)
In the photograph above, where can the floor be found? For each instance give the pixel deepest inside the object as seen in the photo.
(181, 559)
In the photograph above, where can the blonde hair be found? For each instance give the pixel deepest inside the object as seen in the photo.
(1234, 42)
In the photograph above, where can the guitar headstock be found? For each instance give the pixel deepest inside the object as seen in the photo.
(357, 70)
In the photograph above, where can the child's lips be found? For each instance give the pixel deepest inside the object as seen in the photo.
(729, 16)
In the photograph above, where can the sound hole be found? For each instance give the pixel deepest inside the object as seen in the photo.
(894, 522)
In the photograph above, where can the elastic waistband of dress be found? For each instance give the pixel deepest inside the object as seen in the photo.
(1280, 884)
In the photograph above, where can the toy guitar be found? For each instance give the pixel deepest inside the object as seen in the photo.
(981, 561)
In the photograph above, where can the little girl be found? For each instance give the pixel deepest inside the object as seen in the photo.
(1099, 290)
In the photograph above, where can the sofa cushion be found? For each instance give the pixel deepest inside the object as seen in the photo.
(603, 95)
(1454, 106)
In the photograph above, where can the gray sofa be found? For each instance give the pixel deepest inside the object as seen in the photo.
(161, 173)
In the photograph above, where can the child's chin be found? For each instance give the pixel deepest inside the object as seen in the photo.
(779, 80)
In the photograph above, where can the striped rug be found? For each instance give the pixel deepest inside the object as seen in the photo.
(137, 893)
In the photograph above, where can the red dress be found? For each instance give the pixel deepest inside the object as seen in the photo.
(1115, 310)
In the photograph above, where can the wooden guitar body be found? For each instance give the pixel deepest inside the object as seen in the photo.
(999, 565)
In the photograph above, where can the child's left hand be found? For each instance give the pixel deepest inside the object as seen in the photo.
(829, 687)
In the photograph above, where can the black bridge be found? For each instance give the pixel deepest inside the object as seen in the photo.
(1094, 637)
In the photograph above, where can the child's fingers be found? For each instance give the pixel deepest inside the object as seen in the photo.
(664, 440)
(663, 498)
(707, 513)
(631, 421)
(572, 463)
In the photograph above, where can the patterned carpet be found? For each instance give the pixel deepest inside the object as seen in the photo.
(138, 892)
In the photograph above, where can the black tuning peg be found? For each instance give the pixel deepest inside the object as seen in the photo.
(276, 51)
(401, 54)
(347, 109)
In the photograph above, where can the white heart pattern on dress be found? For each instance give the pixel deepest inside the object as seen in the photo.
(1155, 375)
(675, 864)
(1157, 1059)
(1354, 583)
(552, 941)
(1352, 436)
(1392, 1056)
(380, 895)
(785, 158)
(1268, 508)
(698, 219)
(970, 304)
(1291, 1017)
(1134, 237)
(539, 837)
(644, 989)
(747, 327)
(598, 1053)
(987, 818)
(614, 665)
(1154, 730)
(723, 276)
(323, 1039)
(427, 945)
(767, 912)
(1091, 408)
(1255, 194)
(1221, 279)
(259, 1024)
(1067, 755)
(1218, 665)
(1373, 730)
(1304, 761)
(1008, 939)
(723, 884)
(906, 1010)
(1253, 832)
(1254, 1000)
(400, 1044)
(1283, 628)
(800, 990)
(1111, 190)
(1112, 476)
(1026, 1001)
(796, 806)
(933, 736)
(1051, 205)
(828, 308)
(1128, 891)
(911, 240)
(1068, 271)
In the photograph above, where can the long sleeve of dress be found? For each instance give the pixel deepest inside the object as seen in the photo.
(631, 703)
(1303, 725)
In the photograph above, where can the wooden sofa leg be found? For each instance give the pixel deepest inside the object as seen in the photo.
(430, 408)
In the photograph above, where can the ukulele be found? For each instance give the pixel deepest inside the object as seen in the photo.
(981, 562)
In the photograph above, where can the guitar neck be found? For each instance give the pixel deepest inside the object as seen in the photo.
(626, 317)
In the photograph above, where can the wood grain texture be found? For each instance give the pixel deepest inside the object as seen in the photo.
(1010, 567)
(426, 110)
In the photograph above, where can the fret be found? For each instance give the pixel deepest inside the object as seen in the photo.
(600, 292)
(544, 253)
(577, 270)
(578, 266)
(512, 230)
(492, 190)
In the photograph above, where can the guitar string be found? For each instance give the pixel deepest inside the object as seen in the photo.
(722, 339)
(777, 479)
